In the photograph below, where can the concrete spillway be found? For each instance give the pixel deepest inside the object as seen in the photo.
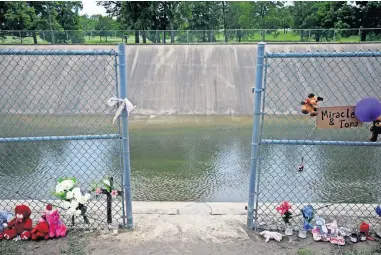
(162, 79)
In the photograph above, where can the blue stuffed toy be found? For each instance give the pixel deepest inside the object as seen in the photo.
(5, 217)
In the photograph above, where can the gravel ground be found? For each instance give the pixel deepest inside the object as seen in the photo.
(183, 234)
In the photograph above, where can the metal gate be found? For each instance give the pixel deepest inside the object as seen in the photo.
(341, 177)
(55, 124)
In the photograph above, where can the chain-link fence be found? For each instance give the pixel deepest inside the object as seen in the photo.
(55, 123)
(352, 35)
(297, 160)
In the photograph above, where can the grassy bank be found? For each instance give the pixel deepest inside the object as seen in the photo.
(196, 37)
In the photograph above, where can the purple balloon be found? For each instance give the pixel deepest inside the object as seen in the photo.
(368, 109)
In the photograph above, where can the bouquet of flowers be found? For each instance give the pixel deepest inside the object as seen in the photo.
(75, 202)
(284, 210)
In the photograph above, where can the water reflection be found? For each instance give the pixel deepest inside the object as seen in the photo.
(31, 169)
(192, 162)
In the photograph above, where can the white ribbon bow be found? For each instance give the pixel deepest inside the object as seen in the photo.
(125, 103)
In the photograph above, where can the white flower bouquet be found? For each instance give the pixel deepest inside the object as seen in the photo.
(75, 201)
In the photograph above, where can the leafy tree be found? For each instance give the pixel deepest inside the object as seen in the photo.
(104, 25)
(18, 16)
(88, 24)
(56, 17)
(369, 17)
(205, 16)
(286, 20)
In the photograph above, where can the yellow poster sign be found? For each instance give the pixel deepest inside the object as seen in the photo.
(337, 117)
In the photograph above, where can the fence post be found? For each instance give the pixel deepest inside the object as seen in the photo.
(255, 133)
(125, 138)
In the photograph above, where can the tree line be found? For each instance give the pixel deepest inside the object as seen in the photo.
(147, 18)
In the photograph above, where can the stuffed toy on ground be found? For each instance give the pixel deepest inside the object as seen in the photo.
(20, 226)
(56, 227)
(41, 230)
(5, 217)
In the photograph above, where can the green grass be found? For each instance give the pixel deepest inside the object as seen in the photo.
(110, 40)
(17, 40)
(195, 37)
(305, 251)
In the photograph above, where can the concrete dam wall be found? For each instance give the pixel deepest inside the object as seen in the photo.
(182, 79)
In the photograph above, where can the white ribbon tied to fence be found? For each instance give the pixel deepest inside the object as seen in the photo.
(125, 104)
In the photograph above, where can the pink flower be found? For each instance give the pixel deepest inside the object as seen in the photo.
(283, 208)
(114, 193)
(98, 191)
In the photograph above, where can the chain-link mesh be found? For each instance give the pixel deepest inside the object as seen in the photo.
(65, 95)
(340, 182)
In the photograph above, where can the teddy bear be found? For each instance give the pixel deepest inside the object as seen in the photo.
(20, 226)
(56, 227)
(41, 230)
(271, 235)
(310, 104)
(5, 217)
(375, 129)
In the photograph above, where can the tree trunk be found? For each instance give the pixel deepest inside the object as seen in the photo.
(239, 35)
(164, 36)
(34, 34)
(172, 32)
(223, 13)
(144, 36)
(203, 36)
(136, 36)
(157, 36)
(363, 36)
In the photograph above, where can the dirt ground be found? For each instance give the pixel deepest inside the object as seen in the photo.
(183, 234)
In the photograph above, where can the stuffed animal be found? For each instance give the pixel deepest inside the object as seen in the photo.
(375, 129)
(333, 228)
(20, 226)
(5, 217)
(41, 230)
(56, 227)
(271, 235)
(310, 104)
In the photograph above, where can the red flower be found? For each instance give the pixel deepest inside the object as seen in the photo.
(283, 208)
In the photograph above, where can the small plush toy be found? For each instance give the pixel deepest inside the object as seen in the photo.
(41, 230)
(20, 226)
(375, 129)
(271, 235)
(310, 104)
(5, 217)
(56, 227)
(333, 228)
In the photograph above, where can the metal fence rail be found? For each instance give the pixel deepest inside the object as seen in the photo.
(55, 123)
(341, 177)
(189, 36)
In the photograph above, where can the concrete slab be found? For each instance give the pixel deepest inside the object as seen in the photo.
(174, 79)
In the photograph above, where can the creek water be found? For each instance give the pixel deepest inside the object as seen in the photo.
(185, 159)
